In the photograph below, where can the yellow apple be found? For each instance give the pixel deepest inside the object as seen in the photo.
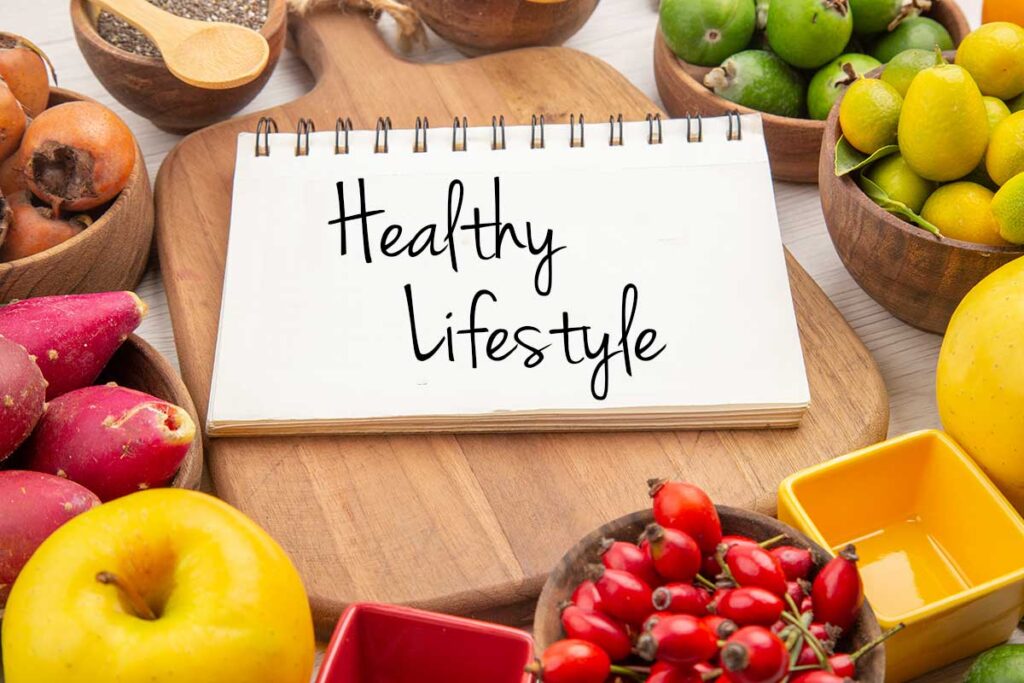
(161, 586)
(980, 378)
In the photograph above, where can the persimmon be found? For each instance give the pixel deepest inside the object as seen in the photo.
(77, 156)
(34, 229)
(23, 68)
(12, 175)
(12, 122)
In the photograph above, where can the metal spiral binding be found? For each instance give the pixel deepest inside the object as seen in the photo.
(460, 126)
(690, 137)
(341, 126)
(421, 125)
(572, 131)
(737, 133)
(265, 127)
(302, 130)
(651, 120)
(495, 123)
(534, 143)
(383, 125)
(456, 126)
(612, 140)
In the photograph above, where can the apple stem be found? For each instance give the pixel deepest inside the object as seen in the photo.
(142, 610)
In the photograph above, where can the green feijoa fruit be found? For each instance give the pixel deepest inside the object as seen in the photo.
(831, 80)
(760, 80)
(916, 32)
(878, 16)
(1003, 664)
(902, 68)
(705, 32)
(809, 33)
(900, 182)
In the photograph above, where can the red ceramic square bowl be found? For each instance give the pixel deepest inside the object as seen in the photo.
(386, 644)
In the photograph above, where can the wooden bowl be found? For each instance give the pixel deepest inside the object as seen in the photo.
(109, 255)
(137, 365)
(793, 144)
(571, 571)
(144, 85)
(478, 26)
(914, 275)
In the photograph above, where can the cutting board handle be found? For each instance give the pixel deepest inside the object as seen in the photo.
(340, 46)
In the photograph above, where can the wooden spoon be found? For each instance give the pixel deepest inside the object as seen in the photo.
(207, 54)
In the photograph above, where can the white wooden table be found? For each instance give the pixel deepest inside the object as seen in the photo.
(621, 33)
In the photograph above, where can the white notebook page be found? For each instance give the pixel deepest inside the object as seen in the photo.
(683, 235)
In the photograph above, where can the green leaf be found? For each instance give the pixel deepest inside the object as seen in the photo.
(850, 159)
(880, 197)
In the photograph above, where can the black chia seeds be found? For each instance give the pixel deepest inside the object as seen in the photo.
(250, 13)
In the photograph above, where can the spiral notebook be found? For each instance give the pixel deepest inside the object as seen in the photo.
(581, 276)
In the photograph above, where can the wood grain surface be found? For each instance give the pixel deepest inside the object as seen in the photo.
(464, 524)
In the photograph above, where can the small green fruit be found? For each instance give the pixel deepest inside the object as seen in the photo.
(760, 80)
(902, 68)
(1016, 104)
(917, 32)
(900, 182)
(1003, 664)
(809, 33)
(705, 32)
(832, 79)
(878, 16)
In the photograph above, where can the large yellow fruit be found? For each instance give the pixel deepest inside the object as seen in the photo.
(943, 129)
(226, 604)
(980, 378)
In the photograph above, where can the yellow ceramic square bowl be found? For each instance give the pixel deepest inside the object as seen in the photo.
(941, 550)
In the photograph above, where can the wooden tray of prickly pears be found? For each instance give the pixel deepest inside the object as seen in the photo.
(467, 524)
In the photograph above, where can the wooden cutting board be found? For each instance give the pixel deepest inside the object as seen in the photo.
(463, 524)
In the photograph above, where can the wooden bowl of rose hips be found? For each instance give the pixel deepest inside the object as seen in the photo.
(143, 83)
(97, 237)
(728, 611)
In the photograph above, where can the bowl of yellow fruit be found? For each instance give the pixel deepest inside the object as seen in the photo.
(788, 60)
(922, 174)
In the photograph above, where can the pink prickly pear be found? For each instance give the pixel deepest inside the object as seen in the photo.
(72, 337)
(110, 439)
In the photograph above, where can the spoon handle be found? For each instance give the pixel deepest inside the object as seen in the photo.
(157, 24)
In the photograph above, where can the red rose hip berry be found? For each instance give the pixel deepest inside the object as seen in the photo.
(572, 661)
(686, 507)
(796, 563)
(631, 558)
(755, 655)
(752, 565)
(681, 639)
(750, 607)
(675, 554)
(681, 598)
(623, 595)
(596, 628)
(838, 592)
